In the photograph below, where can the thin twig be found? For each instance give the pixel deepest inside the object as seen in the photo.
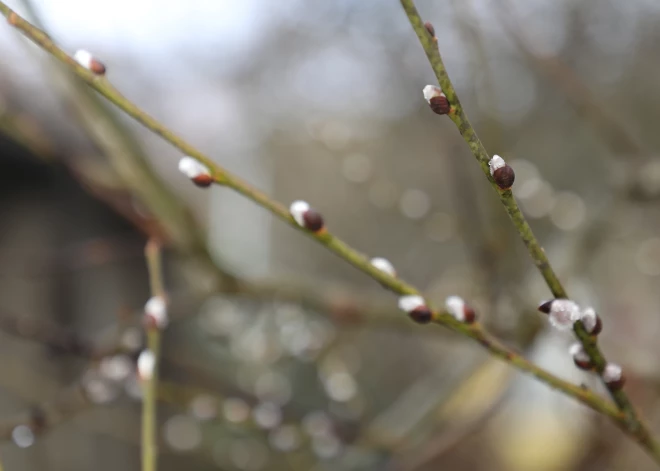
(332, 243)
(153, 256)
(632, 423)
(613, 130)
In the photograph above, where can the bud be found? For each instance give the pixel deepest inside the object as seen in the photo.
(591, 321)
(429, 27)
(146, 364)
(502, 173)
(416, 308)
(196, 171)
(461, 311)
(562, 313)
(155, 313)
(306, 217)
(384, 265)
(613, 376)
(580, 357)
(436, 99)
(88, 61)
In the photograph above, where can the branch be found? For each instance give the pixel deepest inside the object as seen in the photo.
(632, 424)
(613, 130)
(155, 321)
(221, 176)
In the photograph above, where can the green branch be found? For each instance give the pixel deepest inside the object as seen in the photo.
(633, 424)
(332, 243)
(153, 326)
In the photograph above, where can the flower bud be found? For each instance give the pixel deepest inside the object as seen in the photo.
(88, 61)
(580, 357)
(591, 321)
(460, 310)
(155, 313)
(384, 265)
(196, 171)
(416, 308)
(501, 172)
(436, 99)
(613, 376)
(562, 313)
(306, 217)
(146, 364)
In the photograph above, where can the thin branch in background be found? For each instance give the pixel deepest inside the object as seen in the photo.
(613, 130)
(319, 233)
(632, 424)
(49, 414)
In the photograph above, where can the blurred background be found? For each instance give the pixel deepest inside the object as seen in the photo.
(280, 355)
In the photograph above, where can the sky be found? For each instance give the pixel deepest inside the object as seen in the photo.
(150, 24)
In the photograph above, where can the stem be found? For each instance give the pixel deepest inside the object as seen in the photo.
(332, 243)
(152, 254)
(633, 424)
(149, 420)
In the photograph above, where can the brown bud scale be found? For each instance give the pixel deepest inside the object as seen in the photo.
(421, 315)
(583, 364)
(149, 323)
(313, 220)
(97, 67)
(598, 327)
(616, 384)
(439, 104)
(470, 315)
(546, 306)
(203, 181)
(504, 177)
(429, 27)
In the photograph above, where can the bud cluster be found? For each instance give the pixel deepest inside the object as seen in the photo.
(563, 313)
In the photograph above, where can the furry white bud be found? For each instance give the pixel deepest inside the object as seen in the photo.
(156, 311)
(383, 265)
(612, 373)
(411, 302)
(456, 307)
(307, 217)
(298, 209)
(460, 310)
(146, 364)
(88, 61)
(431, 91)
(192, 168)
(589, 319)
(563, 313)
(496, 162)
(83, 58)
(576, 350)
